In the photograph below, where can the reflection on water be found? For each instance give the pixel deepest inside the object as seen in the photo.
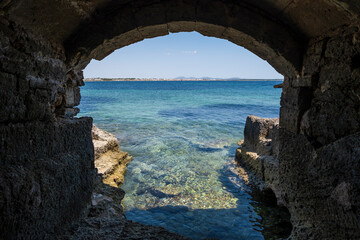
(183, 137)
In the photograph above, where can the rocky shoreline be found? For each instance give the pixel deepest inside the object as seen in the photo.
(259, 152)
(104, 217)
(110, 161)
(258, 155)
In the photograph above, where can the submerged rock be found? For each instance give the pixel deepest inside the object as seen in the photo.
(161, 194)
(104, 218)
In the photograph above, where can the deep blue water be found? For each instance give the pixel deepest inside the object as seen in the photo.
(183, 138)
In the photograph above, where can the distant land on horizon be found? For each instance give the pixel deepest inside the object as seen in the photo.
(98, 79)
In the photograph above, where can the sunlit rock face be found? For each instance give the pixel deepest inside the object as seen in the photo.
(110, 161)
(46, 154)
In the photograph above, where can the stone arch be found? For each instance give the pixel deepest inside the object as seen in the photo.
(319, 117)
(120, 24)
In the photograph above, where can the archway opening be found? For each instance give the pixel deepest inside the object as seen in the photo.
(182, 131)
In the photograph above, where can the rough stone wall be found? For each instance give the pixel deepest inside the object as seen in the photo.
(35, 83)
(320, 140)
(46, 157)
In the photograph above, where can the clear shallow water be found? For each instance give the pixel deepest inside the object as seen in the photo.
(183, 138)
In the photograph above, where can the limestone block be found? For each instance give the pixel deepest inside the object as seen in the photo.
(110, 45)
(257, 132)
(77, 96)
(254, 162)
(313, 57)
(103, 141)
(210, 29)
(181, 26)
(154, 31)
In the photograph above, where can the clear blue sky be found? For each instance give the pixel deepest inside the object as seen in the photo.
(182, 54)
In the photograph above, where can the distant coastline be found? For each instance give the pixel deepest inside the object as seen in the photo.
(171, 79)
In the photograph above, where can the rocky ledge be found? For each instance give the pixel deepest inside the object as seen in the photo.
(104, 218)
(110, 161)
(259, 152)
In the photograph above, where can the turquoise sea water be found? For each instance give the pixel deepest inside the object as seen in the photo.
(183, 137)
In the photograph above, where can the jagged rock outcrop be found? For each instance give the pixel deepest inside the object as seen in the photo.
(110, 162)
(259, 152)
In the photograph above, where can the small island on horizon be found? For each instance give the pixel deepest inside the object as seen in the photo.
(99, 79)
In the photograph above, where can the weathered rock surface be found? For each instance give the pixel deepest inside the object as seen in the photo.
(319, 140)
(109, 160)
(259, 152)
(47, 162)
(44, 185)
